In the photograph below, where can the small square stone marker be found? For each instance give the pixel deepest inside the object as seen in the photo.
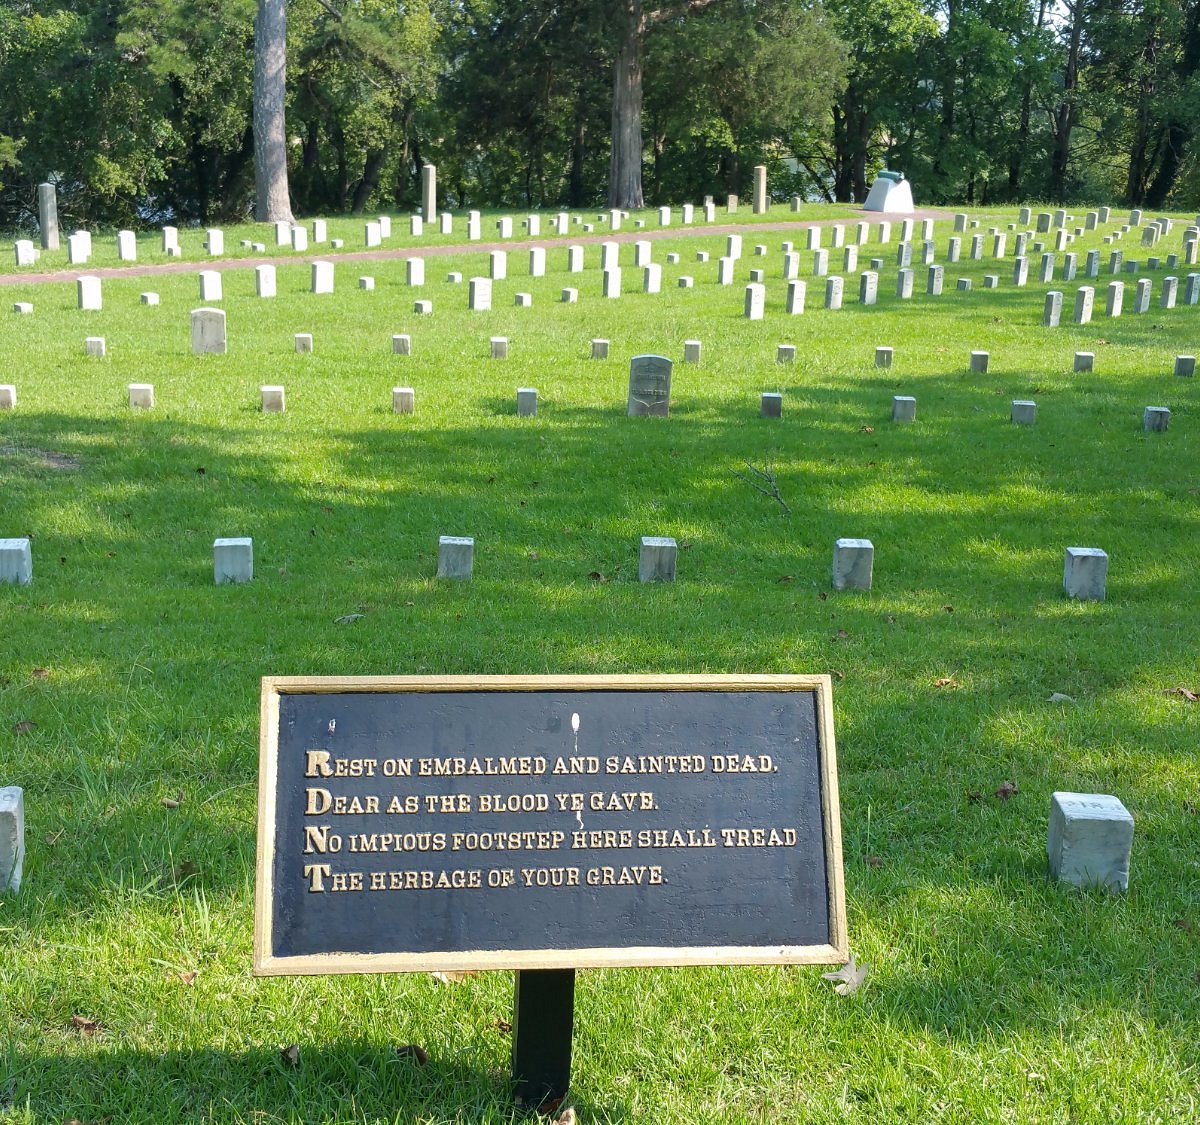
(141, 395)
(403, 400)
(95, 346)
(599, 349)
(456, 556)
(16, 561)
(853, 564)
(883, 357)
(1185, 365)
(304, 343)
(273, 401)
(771, 404)
(656, 560)
(8, 396)
(402, 344)
(691, 351)
(1024, 412)
(1155, 419)
(233, 560)
(1090, 840)
(904, 408)
(527, 399)
(1084, 361)
(498, 346)
(12, 838)
(979, 363)
(1085, 573)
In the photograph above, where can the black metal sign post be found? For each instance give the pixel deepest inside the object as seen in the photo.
(543, 1022)
(544, 824)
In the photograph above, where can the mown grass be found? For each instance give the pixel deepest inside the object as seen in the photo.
(993, 995)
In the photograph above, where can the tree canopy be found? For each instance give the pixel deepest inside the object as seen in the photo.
(145, 109)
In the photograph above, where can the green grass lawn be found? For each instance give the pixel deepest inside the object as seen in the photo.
(127, 677)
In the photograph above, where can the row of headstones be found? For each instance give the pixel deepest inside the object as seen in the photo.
(1085, 569)
(289, 233)
(89, 293)
(904, 407)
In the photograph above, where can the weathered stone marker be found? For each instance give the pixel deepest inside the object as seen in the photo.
(47, 196)
(853, 564)
(904, 408)
(1024, 412)
(233, 560)
(16, 559)
(1085, 572)
(208, 332)
(456, 556)
(670, 870)
(12, 837)
(404, 400)
(1090, 840)
(649, 386)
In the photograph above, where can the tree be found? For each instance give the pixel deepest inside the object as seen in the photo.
(271, 202)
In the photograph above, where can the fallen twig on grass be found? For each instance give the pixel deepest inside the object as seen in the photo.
(769, 486)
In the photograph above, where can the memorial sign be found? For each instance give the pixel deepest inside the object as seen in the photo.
(416, 823)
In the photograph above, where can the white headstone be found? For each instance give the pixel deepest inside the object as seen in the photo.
(208, 332)
(1090, 840)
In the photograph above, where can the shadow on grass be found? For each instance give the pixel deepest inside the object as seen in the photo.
(354, 1080)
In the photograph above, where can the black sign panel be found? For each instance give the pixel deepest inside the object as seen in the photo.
(547, 822)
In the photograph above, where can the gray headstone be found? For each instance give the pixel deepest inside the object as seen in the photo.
(1024, 412)
(404, 400)
(979, 363)
(1116, 297)
(48, 215)
(1085, 572)
(795, 297)
(884, 356)
(1084, 296)
(650, 383)
(1185, 365)
(1155, 419)
(233, 560)
(12, 837)
(273, 399)
(1052, 312)
(1084, 362)
(1090, 840)
(141, 396)
(904, 408)
(656, 559)
(771, 404)
(853, 564)
(16, 561)
(208, 332)
(527, 402)
(456, 556)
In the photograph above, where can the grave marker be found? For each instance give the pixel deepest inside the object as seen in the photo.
(208, 332)
(1089, 841)
(1084, 573)
(264, 280)
(656, 559)
(1155, 419)
(404, 400)
(87, 291)
(141, 396)
(273, 399)
(770, 404)
(904, 408)
(853, 564)
(322, 277)
(12, 826)
(47, 196)
(456, 556)
(650, 383)
(233, 560)
(1052, 311)
(16, 559)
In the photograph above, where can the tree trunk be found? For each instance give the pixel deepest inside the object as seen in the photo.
(270, 86)
(1065, 115)
(625, 162)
